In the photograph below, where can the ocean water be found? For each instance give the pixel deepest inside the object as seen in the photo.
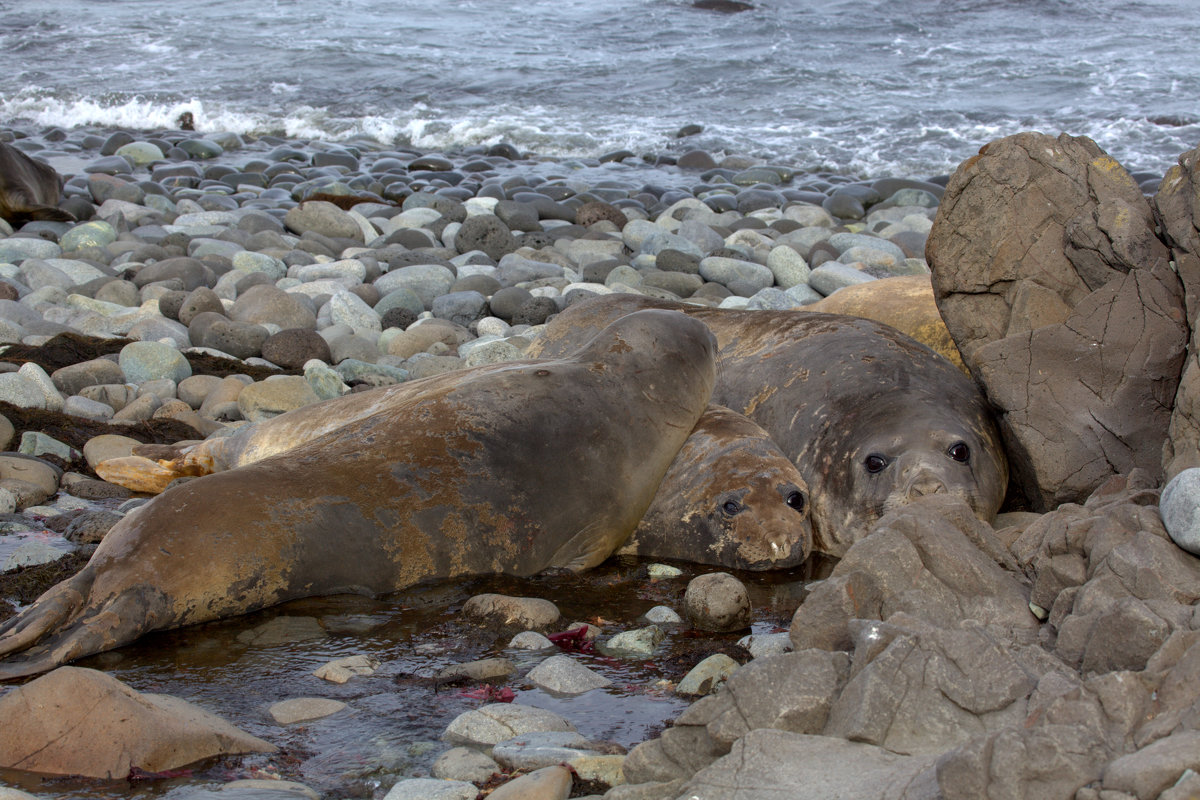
(862, 87)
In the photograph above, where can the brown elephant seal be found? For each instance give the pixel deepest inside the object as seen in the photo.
(731, 499)
(29, 189)
(870, 417)
(905, 302)
(490, 471)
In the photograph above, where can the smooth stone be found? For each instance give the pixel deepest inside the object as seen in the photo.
(663, 615)
(530, 640)
(461, 308)
(346, 308)
(426, 281)
(283, 630)
(270, 398)
(148, 361)
(802, 295)
(770, 298)
(844, 206)
(761, 645)
(36, 443)
(432, 789)
(707, 676)
(540, 749)
(349, 269)
(140, 153)
(1179, 504)
(249, 261)
(640, 642)
(497, 722)
(37, 378)
(658, 571)
(201, 148)
(834, 275)
(548, 783)
(82, 722)
(303, 709)
(788, 266)
(487, 669)
(265, 304)
(563, 675)
(21, 392)
(493, 352)
(326, 383)
(463, 764)
(731, 272)
(528, 613)
(17, 249)
(88, 234)
(717, 602)
(31, 554)
(343, 669)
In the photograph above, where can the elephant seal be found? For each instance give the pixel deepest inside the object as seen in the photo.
(29, 189)
(491, 471)
(731, 499)
(870, 417)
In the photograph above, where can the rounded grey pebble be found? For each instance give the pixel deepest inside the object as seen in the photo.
(1179, 505)
(463, 764)
(535, 311)
(717, 602)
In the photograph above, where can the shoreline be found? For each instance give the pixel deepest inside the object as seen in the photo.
(404, 265)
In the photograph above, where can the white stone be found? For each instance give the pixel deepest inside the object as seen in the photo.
(565, 675)
(343, 669)
(432, 789)
(499, 721)
(303, 709)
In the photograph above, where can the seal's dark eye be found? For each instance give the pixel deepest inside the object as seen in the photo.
(795, 500)
(959, 452)
(875, 463)
(731, 507)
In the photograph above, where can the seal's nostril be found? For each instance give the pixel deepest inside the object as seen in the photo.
(925, 486)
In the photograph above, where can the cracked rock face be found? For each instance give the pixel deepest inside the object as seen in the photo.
(1177, 208)
(1049, 275)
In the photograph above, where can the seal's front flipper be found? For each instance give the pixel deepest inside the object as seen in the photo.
(142, 474)
(50, 612)
(55, 631)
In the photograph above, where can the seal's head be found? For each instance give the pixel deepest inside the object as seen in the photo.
(896, 453)
(731, 499)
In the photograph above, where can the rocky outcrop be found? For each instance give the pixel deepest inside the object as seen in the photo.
(943, 659)
(1177, 209)
(76, 721)
(1049, 275)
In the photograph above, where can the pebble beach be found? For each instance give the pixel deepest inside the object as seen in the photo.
(398, 264)
(213, 280)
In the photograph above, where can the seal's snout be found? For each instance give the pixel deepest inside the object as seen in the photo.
(924, 484)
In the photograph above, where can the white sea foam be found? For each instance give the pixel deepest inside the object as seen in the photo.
(927, 144)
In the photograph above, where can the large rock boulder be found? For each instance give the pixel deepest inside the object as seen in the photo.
(1177, 208)
(1044, 255)
(76, 721)
(775, 765)
(931, 560)
(1111, 583)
